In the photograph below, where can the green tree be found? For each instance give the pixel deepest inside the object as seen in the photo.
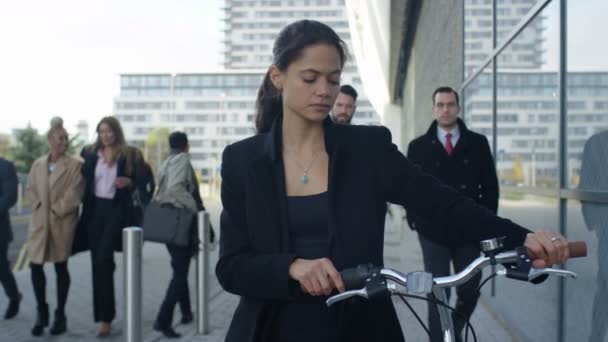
(4, 145)
(157, 142)
(31, 145)
(28, 147)
(517, 175)
(74, 146)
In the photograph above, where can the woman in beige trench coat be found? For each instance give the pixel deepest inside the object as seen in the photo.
(54, 191)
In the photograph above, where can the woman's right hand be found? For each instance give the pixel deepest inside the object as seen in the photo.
(316, 277)
(123, 182)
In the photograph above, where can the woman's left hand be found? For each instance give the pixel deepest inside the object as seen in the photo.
(547, 248)
(123, 182)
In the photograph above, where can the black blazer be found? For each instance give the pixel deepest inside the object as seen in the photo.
(469, 170)
(365, 171)
(8, 197)
(122, 199)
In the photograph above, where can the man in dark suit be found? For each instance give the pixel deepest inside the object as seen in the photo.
(8, 197)
(461, 159)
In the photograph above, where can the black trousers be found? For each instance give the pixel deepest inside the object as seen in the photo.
(6, 275)
(437, 260)
(178, 291)
(103, 229)
(39, 285)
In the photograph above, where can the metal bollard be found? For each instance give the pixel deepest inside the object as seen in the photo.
(19, 198)
(132, 241)
(202, 274)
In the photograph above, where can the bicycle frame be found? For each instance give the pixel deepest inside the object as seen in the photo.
(445, 317)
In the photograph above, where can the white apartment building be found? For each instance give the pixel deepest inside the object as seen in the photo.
(82, 129)
(214, 109)
(251, 26)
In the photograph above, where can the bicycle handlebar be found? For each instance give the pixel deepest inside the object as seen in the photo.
(371, 282)
(517, 261)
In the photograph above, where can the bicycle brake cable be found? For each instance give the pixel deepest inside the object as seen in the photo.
(436, 301)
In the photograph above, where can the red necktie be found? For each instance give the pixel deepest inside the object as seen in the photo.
(449, 148)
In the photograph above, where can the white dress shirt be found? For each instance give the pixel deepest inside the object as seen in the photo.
(441, 133)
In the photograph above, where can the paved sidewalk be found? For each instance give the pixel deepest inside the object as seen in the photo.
(156, 276)
(402, 251)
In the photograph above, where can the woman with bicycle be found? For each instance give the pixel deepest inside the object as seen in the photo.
(305, 198)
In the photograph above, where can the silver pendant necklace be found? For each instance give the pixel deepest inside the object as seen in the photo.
(304, 179)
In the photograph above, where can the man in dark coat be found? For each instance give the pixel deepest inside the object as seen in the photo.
(461, 159)
(8, 197)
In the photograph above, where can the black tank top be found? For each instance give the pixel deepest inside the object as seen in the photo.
(308, 318)
(308, 231)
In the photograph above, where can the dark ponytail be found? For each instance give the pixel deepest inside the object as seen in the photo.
(269, 105)
(287, 48)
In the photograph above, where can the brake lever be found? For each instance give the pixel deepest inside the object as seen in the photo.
(535, 273)
(345, 295)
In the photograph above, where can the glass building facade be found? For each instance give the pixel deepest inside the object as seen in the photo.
(537, 87)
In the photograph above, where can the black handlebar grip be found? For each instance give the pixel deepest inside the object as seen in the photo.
(355, 278)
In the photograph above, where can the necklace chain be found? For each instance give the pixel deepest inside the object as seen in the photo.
(304, 179)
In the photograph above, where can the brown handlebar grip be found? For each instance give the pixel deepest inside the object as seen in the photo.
(577, 249)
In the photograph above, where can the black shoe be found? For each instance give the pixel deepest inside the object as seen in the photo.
(42, 320)
(167, 331)
(13, 307)
(187, 318)
(60, 325)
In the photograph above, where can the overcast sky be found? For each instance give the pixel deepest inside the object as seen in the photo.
(63, 57)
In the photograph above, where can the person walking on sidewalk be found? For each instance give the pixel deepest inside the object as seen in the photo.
(8, 197)
(110, 168)
(461, 159)
(54, 191)
(306, 197)
(346, 103)
(179, 188)
(143, 189)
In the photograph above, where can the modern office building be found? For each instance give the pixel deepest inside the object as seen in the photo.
(526, 53)
(251, 26)
(214, 109)
(82, 129)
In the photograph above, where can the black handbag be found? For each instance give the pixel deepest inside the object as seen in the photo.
(165, 223)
